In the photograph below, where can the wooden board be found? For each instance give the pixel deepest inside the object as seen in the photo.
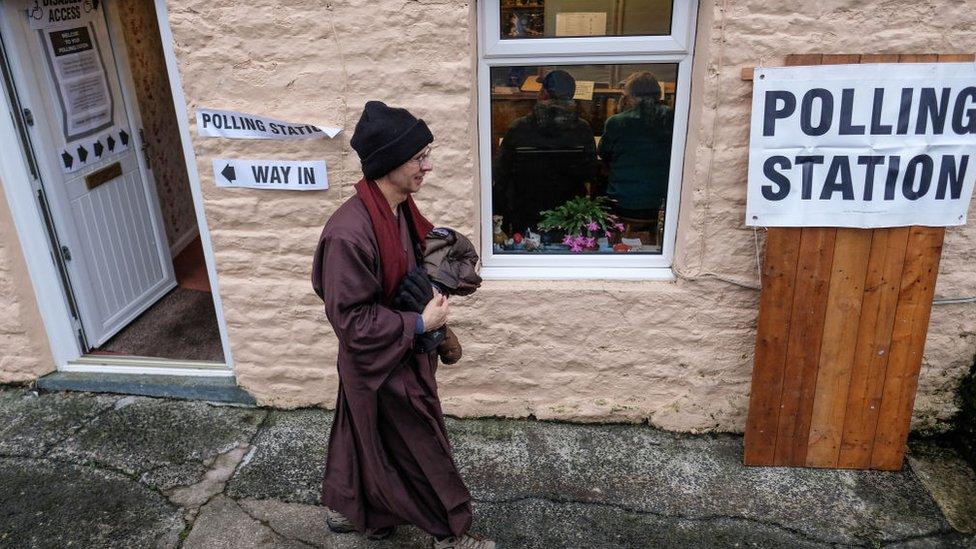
(843, 309)
(775, 308)
(806, 329)
(921, 269)
(843, 319)
(881, 288)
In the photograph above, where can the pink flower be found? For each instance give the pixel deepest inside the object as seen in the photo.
(607, 234)
(574, 242)
(590, 242)
(619, 226)
(592, 226)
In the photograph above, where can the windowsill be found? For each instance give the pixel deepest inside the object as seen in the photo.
(489, 272)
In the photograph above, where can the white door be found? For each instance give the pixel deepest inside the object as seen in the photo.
(85, 136)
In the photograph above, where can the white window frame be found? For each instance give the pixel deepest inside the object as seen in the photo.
(492, 51)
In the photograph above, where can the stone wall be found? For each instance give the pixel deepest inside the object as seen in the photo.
(24, 351)
(677, 354)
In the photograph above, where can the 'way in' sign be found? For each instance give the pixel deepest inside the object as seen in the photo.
(271, 174)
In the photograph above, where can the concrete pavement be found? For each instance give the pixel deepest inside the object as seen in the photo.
(84, 470)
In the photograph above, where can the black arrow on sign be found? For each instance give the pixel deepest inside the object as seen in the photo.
(229, 173)
(124, 137)
(111, 143)
(99, 148)
(82, 153)
(67, 159)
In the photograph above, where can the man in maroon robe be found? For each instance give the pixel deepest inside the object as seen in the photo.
(389, 459)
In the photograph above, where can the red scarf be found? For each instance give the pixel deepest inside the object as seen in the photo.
(392, 259)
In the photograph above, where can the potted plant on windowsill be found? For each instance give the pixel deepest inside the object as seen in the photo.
(583, 219)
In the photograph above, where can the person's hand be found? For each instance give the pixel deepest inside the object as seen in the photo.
(415, 292)
(435, 313)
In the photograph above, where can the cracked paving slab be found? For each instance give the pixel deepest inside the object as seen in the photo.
(289, 459)
(222, 524)
(538, 523)
(153, 435)
(950, 480)
(31, 423)
(50, 504)
(213, 481)
(644, 470)
(306, 523)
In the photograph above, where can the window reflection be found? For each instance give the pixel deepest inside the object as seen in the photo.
(578, 18)
(581, 157)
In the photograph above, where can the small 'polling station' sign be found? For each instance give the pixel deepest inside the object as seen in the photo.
(238, 125)
(271, 174)
(873, 145)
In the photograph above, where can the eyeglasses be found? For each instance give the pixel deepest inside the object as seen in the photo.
(423, 158)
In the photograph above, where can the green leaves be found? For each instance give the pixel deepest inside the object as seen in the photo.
(578, 215)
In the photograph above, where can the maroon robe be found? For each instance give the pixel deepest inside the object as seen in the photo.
(389, 460)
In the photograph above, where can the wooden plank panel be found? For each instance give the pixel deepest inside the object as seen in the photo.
(772, 331)
(907, 344)
(851, 253)
(798, 59)
(775, 304)
(840, 59)
(918, 58)
(881, 288)
(957, 57)
(802, 357)
(879, 58)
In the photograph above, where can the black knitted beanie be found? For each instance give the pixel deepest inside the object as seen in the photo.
(386, 137)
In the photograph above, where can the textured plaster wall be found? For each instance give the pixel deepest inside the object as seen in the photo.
(24, 352)
(678, 355)
(713, 238)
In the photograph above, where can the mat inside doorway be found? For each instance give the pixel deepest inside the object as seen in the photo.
(182, 325)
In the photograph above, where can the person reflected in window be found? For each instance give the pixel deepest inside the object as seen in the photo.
(636, 147)
(546, 157)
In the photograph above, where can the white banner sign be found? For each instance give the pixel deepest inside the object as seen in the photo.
(238, 125)
(86, 151)
(45, 14)
(862, 145)
(271, 174)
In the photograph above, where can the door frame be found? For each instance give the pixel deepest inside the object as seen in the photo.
(19, 188)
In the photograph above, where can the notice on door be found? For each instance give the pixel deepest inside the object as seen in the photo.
(864, 146)
(239, 125)
(271, 174)
(82, 86)
(46, 14)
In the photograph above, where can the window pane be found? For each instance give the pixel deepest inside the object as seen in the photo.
(577, 18)
(581, 156)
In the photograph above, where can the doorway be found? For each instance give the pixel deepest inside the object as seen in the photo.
(108, 158)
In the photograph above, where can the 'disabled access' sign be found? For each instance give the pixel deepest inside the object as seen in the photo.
(862, 145)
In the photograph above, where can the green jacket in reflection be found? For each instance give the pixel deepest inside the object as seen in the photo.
(636, 145)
